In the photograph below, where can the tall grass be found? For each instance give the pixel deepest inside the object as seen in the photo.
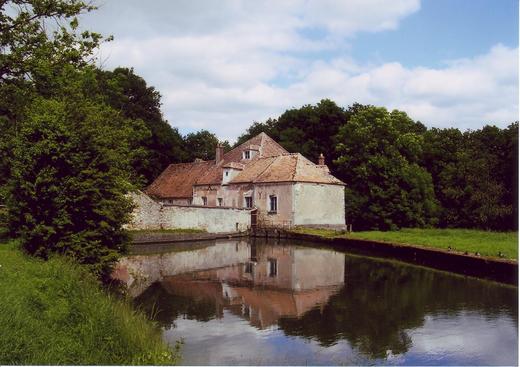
(486, 243)
(54, 312)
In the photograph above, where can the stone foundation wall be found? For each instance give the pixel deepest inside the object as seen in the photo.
(150, 215)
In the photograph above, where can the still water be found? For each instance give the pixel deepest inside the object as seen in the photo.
(274, 303)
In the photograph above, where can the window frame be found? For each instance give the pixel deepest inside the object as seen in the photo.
(204, 201)
(246, 202)
(220, 201)
(273, 208)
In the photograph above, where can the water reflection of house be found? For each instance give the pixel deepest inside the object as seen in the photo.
(138, 272)
(278, 281)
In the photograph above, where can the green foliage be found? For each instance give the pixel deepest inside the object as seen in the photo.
(54, 313)
(309, 130)
(202, 145)
(70, 173)
(268, 127)
(127, 92)
(475, 175)
(378, 159)
(37, 39)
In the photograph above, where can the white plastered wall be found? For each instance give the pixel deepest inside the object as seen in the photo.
(318, 204)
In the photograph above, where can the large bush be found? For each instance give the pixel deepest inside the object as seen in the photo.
(70, 173)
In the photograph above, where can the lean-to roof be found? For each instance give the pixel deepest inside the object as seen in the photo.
(177, 180)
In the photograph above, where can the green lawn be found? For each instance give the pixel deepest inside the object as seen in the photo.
(54, 312)
(464, 240)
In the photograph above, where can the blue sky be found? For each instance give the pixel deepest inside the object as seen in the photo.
(223, 65)
(443, 30)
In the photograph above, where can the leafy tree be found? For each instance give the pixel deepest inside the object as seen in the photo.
(127, 92)
(202, 145)
(473, 175)
(71, 173)
(490, 168)
(509, 169)
(378, 159)
(38, 38)
(268, 127)
(309, 130)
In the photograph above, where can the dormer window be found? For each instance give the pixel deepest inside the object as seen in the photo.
(247, 154)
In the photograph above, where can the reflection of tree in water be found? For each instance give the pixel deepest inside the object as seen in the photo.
(164, 308)
(381, 300)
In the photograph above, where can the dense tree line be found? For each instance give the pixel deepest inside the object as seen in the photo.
(74, 140)
(398, 173)
(128, 93)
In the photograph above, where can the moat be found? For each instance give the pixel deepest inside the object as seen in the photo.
(249, 301)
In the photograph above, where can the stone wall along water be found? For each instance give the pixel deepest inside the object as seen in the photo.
(151, 215)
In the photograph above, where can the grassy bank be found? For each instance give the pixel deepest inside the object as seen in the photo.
(54, 312)
(464, 240)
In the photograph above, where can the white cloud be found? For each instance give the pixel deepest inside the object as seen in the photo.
(222, 65)
(464, 338)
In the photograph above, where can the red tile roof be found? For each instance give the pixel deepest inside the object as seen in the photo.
(285, 168)
(272, 163)
(267, 148)
(177, 180)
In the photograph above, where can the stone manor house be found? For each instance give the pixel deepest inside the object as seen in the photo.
(277, 187)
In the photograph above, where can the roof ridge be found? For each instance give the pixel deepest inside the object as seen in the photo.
(244, 143)
(187, 163)
(295, 168)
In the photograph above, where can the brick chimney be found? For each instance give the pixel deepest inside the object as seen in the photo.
(321, 160)
(321, 163)
(219, 153)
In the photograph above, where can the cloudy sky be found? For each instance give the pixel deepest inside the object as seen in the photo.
(221, 65)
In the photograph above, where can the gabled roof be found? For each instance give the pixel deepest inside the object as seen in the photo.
(272, 163)
(289, 167)
(266, 146)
